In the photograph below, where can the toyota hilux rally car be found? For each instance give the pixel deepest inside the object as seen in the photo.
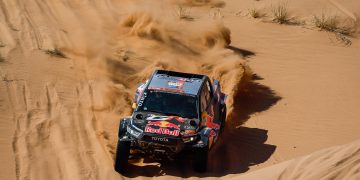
(173, 112)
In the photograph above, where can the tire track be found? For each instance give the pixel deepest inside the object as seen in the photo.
(34, 32)
(343, 9)
(6, 14)
(37, 143)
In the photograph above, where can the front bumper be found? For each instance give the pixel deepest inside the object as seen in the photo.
(159, 146)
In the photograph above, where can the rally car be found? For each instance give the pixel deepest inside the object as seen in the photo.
(173, 112)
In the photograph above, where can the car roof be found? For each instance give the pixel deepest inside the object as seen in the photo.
(171, 81)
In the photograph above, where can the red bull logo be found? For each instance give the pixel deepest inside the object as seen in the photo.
(164, 128)
(163, 124)
(178, 85)
(162, 131)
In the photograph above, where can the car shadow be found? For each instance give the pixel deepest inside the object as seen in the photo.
(241, 52)
(251, 99)
(237, 149)
(235, 152)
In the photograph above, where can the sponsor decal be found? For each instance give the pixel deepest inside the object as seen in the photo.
(212, 133)
(182, 79)
(141, 101)
(180, 119)
(167, 89)
(163, 124)
(190, 132)
(166, 118)
(178, 85)
(157, 118)
(208, 118)
(160, 139)
(189, 127)
(139, 92)
(212, 125)
(162, 131)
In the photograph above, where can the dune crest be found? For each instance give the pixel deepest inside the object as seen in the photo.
(339, 162)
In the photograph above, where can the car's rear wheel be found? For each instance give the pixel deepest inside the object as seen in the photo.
(122, 156)
(201, 159)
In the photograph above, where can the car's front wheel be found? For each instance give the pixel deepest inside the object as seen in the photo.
(122, 156)
(201, 159)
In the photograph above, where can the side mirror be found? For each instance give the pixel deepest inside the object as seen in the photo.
(134, 106)
(216, 87)
(216, 83)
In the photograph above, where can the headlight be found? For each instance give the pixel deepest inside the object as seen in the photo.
(133, 132)
(189, 139)
(138, 121)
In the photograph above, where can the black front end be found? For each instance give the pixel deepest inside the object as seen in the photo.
(161, 137)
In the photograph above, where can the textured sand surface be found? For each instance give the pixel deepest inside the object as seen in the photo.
(340, 162)
(293, 89)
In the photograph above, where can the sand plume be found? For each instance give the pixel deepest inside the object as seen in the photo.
(59, 116)
(107, 66)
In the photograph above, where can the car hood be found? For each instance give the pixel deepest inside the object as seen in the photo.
(166, 125)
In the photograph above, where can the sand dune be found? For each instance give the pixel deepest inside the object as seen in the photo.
(340, 162)
(60, 112)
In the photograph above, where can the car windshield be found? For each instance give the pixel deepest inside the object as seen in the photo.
(169, 103)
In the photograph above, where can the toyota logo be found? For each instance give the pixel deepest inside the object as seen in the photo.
(159, 139)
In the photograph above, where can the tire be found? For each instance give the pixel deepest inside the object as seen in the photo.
(223, 119)
(122, 156)
(201, 159)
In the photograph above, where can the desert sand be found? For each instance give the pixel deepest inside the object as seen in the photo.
(69, 70)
